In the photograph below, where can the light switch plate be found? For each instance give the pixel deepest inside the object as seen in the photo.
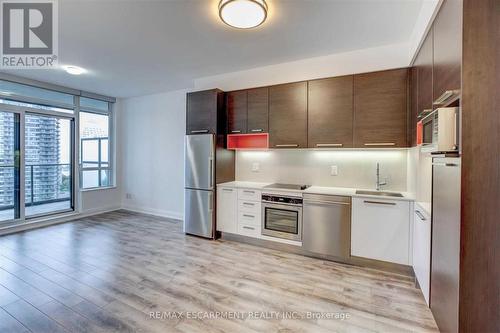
(255, 167)
(334, 170)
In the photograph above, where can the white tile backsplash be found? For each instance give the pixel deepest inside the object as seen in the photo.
(356, 168)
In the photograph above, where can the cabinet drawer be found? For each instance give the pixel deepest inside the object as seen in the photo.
(249, 230)
(249, 194)
(249, 218)
(252, 207)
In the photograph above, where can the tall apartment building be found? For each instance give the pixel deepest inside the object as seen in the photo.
(42, 147)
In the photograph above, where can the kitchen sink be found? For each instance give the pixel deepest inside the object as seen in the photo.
(380, 193)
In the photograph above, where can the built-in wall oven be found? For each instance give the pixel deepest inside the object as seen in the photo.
(282, 216)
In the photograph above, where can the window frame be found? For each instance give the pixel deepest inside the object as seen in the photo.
(23, 111)
(111, 140)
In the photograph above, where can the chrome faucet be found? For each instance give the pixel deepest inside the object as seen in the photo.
(379, 184)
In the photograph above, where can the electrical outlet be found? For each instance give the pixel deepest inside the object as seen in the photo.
(255, 167)
(334, 170)
(128, 196)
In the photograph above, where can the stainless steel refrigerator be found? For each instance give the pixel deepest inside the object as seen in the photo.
(207, 163)
(199, 191)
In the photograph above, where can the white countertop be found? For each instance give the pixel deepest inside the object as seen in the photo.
(346, 191)
(240, 184)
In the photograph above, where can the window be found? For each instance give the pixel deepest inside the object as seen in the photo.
(95, 144)
(21, 92)
(39, 147)
(48, 164)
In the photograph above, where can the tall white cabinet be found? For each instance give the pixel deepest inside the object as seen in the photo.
(422, 249)
(227, 216)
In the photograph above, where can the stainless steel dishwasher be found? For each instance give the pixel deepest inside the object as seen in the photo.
(327, 225)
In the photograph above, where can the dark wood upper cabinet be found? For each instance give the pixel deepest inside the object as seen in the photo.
(258, 110)
(380, 109)
(288, 115)
(447, 48)
(423, 63)
(204, 112)
(330, 112)
(413, 118)
(236, 104)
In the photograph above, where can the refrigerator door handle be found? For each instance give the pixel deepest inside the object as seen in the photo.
(210, 172)
(210, 202)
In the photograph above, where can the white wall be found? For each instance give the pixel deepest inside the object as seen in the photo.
(153, 129)
(359, 61)
(420, 172)
(355, 168)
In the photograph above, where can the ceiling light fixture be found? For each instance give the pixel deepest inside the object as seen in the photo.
(243, 14)
(74, 70)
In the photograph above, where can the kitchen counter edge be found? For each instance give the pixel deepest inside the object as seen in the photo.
(343, 191)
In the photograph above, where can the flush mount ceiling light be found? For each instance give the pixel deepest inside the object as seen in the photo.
(243, 14)
(74, 70)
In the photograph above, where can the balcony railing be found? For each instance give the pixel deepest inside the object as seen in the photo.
(45, 183)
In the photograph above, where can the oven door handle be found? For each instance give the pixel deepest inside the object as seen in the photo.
(277, 204)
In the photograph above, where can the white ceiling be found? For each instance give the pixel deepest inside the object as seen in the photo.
(140, 47)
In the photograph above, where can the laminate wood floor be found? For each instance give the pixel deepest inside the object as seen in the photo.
(128, 272)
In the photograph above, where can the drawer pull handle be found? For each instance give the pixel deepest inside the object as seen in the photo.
(257, 130)
(319, 145)
(248, 204)
(200, 131)
(235, 131)
(247, 191)
(380, 144)
(288, 146)
(249, 216)
(227, 189)
(249, 228)
(380, 202)
(420, 215)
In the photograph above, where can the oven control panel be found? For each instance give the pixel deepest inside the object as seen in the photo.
(282, 199)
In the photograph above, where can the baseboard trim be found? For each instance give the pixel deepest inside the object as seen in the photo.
(154, 212)
(353, 261)
(56, 219)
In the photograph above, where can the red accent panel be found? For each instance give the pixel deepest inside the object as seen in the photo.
(420, 134)
(248, 141)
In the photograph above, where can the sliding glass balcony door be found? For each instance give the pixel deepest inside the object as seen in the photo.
(48, 164)
(9, 167)
(36, 163)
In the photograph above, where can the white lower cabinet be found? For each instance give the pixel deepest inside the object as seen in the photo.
(249, 194)
(248, 218)
(239, 211)
(422, 250)
(381, 229)
(227, 210)
(249, 212)
(249, 230)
